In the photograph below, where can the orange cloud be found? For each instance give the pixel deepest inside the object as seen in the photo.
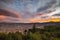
(45, 20)
(55, 19)
(17, 14)
(38, 20)
(2, 17)
(9, 19)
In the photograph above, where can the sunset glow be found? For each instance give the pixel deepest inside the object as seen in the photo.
(28, 11)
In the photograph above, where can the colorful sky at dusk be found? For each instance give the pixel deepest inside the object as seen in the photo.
(27, 11)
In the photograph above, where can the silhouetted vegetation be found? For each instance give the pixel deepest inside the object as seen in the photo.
(48, 33)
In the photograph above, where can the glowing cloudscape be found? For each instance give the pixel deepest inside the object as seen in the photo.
(27, 11)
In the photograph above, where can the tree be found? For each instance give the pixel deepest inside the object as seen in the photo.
(2, 36)
(34, 36)
(34, 28)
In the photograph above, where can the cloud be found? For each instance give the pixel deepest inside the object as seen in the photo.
(41, 20)
(7, 13)
(29, 5)
(48, 5)
(26, 10)
(9, 17)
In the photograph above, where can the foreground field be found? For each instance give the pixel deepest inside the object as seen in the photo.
(48, 33)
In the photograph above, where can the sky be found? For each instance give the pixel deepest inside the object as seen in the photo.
(28, 11)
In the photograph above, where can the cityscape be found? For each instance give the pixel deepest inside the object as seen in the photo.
(13, 27)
